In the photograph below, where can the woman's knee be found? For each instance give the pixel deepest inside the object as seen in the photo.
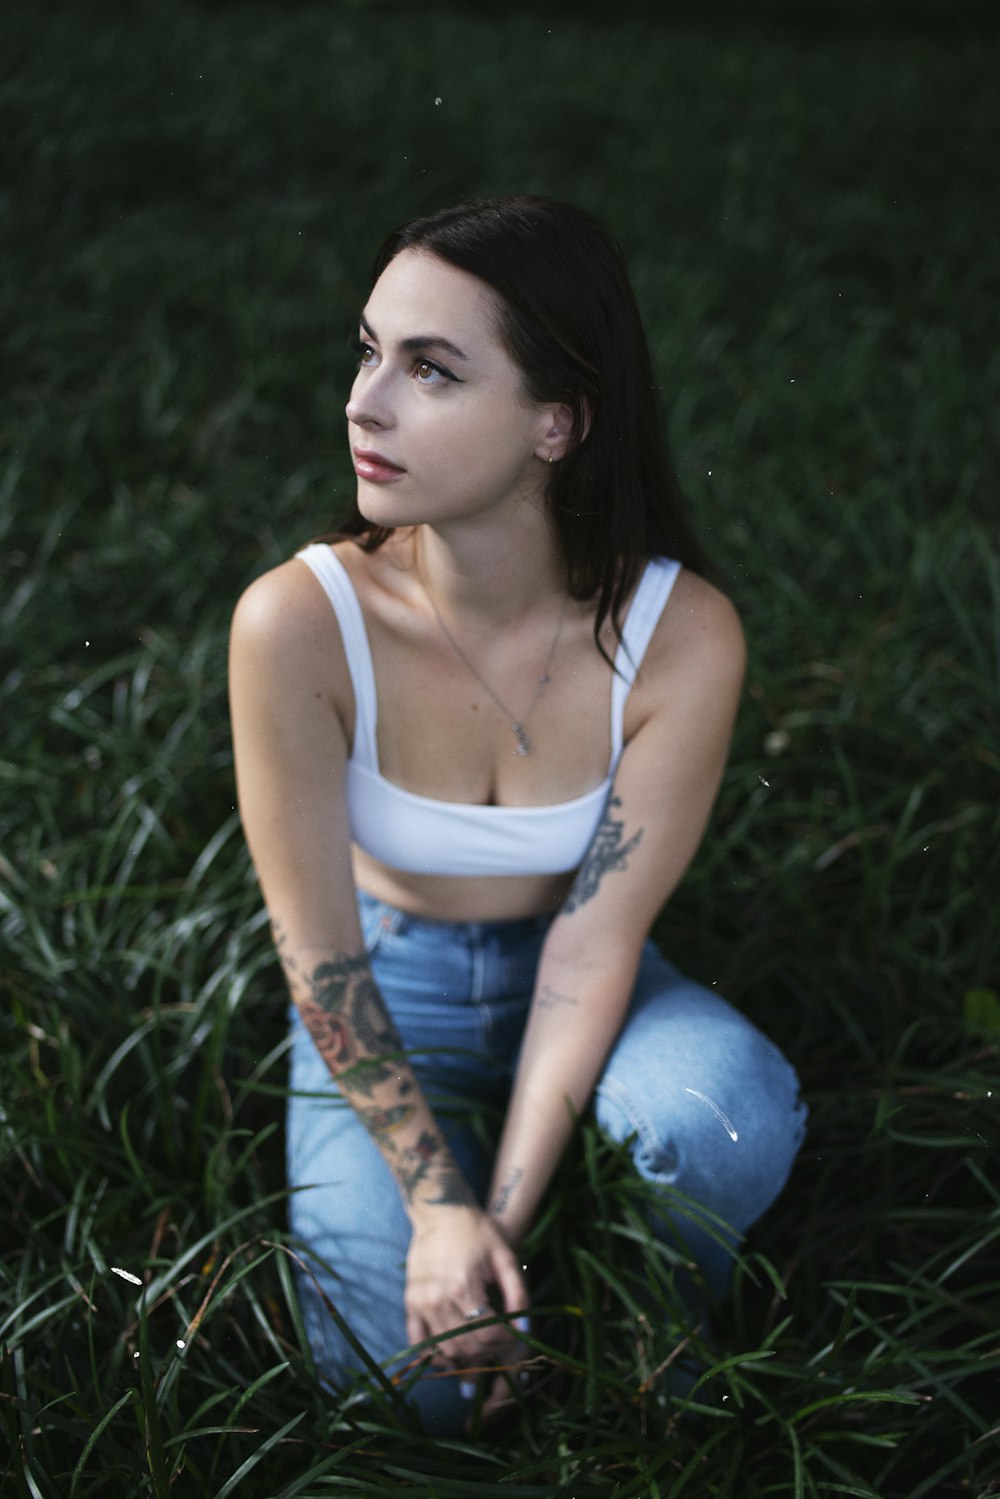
(711, 1105)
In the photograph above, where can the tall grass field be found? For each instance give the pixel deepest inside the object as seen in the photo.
(190, 196)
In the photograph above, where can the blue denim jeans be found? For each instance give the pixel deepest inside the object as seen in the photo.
(706, 1103)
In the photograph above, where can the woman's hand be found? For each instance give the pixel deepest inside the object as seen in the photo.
(460, 1273)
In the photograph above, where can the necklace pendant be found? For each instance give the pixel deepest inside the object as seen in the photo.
(523, 742)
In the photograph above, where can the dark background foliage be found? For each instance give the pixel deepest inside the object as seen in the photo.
(191, 194)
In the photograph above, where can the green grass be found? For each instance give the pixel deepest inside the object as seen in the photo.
(192, 194)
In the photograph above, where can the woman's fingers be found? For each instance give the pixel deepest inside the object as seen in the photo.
(456, 1283)
(487, 1341)
(499, 1400)
(462, 1344)
(479, 1343)
(503, 1392)
(416, 1328)
(510, 1281)
(463, 1338)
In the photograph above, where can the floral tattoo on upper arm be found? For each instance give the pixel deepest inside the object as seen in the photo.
(609, 850)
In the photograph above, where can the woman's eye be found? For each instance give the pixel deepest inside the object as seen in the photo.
(364, 352)
(429, 373)
(425, 371)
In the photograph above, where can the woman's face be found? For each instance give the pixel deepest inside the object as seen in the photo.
(439, 426)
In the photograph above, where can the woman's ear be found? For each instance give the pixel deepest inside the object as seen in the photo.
(559, 438)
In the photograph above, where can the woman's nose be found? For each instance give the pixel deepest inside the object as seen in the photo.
(368, 405)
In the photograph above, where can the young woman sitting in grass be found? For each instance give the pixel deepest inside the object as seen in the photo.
(478, 738)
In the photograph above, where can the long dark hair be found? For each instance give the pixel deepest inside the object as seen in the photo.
(568, 318)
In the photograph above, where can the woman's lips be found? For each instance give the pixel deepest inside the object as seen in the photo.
(375, 468)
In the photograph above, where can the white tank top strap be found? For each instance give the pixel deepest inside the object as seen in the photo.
(336, 583)
(648, 601)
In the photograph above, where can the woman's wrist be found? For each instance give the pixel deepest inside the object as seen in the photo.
(434, 1184)
(512, 1202)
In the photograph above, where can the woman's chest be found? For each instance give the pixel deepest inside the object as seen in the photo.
(514, 723)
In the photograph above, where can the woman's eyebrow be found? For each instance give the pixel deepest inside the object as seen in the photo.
(419, 341)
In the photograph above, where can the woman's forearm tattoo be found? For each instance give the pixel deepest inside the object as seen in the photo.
(606, 852)
(551, 999)
(355, 1035)
(417, 1161)
(451, 1189)
(500, 1201)
(347, 1018)
(381, 1124)
(280, 938)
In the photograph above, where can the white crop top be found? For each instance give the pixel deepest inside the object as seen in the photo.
(420, 835)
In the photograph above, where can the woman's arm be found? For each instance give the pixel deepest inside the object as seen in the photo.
(653, 822)
(291, 705)
(346, 1017)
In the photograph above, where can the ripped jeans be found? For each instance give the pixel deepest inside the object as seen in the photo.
(708, 1105)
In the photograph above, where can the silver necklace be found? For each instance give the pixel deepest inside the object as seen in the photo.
(518, 726)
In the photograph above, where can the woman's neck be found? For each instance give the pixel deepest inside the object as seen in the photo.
(491, 572)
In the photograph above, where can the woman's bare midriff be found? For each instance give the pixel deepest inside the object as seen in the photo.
(461, 898)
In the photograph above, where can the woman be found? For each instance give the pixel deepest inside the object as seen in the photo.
(477, 741)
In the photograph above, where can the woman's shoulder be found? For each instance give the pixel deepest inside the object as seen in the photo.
(296, 594)
(700, 616)
(699, 636)
(285, 625)
(280, 603)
